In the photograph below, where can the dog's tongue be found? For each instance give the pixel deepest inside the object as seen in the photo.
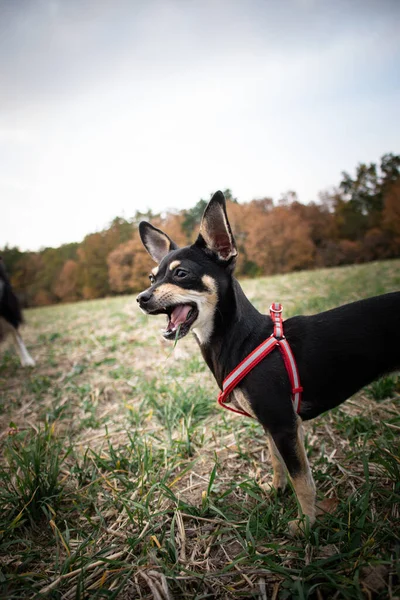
(179, 315)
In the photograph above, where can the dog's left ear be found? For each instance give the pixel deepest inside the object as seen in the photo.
(215, 231)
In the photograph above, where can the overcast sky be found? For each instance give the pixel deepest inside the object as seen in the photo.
(108, 107)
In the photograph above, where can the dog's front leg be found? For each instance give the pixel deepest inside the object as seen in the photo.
(24, 356)
(279, 478)
(290, 445)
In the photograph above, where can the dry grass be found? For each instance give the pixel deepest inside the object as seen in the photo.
(123, 479)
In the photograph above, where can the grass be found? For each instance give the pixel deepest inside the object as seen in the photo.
(120, 477)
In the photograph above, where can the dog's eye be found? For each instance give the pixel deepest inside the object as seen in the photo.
(180, 273)
(152, 278)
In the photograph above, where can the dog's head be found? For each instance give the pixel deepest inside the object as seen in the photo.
(187, 282)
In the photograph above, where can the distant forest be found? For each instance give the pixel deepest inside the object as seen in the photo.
(358, 221)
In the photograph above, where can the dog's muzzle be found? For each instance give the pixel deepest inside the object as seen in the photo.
(180, 315)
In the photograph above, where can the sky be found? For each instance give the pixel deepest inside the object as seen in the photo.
(109, 107)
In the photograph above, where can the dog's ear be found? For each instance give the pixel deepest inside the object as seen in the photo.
(156, 242)
(215, 231)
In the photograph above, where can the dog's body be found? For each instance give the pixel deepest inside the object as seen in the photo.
(337, 351)
(11, 318)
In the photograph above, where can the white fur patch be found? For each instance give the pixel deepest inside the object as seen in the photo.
(25, 358)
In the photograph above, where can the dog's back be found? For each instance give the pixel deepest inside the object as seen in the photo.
(341, 350)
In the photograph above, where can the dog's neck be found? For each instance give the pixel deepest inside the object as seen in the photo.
(236, 328)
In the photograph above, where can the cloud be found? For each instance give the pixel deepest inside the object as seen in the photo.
(8, 183)
(15, 135)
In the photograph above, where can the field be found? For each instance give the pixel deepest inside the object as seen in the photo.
(120, 477)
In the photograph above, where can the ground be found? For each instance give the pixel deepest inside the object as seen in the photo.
(122, 478)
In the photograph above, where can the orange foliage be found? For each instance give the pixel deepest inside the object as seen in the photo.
(391, 210)
(270, 239)
(43, 298)
(65, 287)
(172, 225)
(349, 252)
(244, 219)
(376, 244)
(279, 241)
(129, 264)
(319, 219)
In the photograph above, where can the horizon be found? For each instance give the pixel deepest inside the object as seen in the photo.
(130, 219)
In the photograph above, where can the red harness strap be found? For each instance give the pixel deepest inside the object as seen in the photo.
(275, 339)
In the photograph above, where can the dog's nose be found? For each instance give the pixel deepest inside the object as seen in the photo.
(143, 298)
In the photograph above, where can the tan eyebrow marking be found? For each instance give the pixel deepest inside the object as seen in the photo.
(155, 271)
(174, 264)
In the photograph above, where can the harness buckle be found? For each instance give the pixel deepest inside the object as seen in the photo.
(275, 310)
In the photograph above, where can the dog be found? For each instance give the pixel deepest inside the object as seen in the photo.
(11, 318)
(337, 352)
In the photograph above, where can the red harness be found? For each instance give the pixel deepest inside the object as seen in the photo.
(275, 339)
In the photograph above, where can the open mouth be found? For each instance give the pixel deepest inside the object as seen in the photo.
(179, 317)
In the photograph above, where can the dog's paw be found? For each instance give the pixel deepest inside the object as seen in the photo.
(273, 487)
(298, 527)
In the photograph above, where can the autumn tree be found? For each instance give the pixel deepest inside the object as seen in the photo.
(26, 280)
(53, 260)
(243, 219)
(192, 217)
(319, 220)
(281, 242)
(11, 256)
(92, 260)
(362, 198)
(129, 264)
(93, 253)
(391, 217)
(173, 225)
(66, 285)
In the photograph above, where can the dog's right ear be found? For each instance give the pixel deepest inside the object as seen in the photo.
(215, 232)
(156, 242)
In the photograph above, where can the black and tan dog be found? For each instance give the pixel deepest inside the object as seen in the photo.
(337, 351)
(11, 318)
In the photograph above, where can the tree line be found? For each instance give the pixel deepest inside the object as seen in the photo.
(358, 221)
